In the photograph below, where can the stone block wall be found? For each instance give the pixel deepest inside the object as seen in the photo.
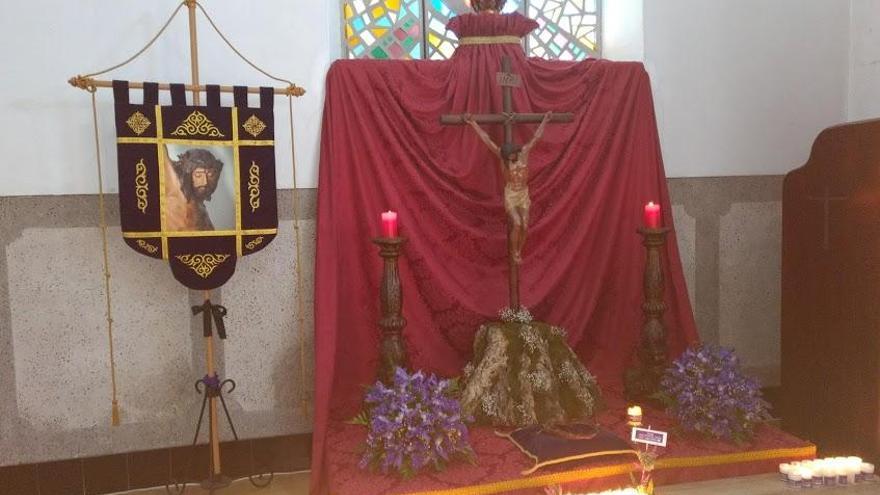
(54, 376)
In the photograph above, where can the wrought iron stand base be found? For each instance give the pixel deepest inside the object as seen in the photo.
(211, 387)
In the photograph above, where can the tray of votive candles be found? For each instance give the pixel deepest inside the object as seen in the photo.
(830, 471)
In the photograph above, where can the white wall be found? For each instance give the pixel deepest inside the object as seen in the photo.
(623, 30)
(45, 125)
(743, 87)
(864, 87)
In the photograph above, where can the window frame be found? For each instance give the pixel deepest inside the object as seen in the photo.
(426, 48)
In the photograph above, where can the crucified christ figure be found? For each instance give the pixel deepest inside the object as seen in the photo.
(514, 161)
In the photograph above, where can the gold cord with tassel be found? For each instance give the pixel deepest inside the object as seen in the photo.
(300, 304)
(115, 415)
(115, 418)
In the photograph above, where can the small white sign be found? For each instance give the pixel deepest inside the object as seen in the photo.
(649, 437)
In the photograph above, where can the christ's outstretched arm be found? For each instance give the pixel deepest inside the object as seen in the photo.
(483, 135)
(538, 134)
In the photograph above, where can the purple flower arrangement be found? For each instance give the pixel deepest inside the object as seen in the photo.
(413, 424)
(708, 394)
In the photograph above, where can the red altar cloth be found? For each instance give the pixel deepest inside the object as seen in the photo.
(499, 462)
(383, 148)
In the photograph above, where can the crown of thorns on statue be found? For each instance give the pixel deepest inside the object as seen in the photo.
(191, 160)
(480, 5)
(508, 150)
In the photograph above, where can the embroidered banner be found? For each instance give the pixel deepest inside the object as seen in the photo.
(196, 183)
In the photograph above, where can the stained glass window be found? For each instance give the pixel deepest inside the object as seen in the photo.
(569, 29)
(416, 29)
(383, 29)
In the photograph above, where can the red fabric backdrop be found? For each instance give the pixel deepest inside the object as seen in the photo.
(383, 148)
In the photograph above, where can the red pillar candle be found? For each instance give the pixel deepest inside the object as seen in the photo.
(389, 224)
(652, 215)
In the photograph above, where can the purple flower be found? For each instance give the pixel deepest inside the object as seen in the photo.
(212, 381)
(708, 394)
(414, 423)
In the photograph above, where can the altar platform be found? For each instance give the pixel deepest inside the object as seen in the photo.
(499, 462)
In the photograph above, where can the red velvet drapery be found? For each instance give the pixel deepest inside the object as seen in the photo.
(383, 148)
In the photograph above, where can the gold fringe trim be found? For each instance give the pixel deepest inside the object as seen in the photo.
(735, 458)
(620, 469)
(490, 40)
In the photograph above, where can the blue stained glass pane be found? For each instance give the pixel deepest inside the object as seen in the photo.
(357, 24)
(440, 6)
(510, 7)
(415, 8)
(384, 22)
(416, 52)
(358, 50)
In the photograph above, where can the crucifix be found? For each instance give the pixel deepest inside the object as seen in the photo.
(826, 198)
(514, 163)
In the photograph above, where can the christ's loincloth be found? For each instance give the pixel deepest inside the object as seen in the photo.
(516, 198)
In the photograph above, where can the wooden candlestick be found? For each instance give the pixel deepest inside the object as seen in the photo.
(391, 349)
(644, 380)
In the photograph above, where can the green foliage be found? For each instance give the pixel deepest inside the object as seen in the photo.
(454, 387)
(362, 419)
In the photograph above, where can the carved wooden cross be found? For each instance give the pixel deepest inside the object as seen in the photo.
(827, 199)
(508, 118)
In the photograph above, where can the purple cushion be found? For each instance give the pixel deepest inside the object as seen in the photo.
(567, 444)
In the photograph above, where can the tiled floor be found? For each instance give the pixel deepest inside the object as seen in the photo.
(297, 484)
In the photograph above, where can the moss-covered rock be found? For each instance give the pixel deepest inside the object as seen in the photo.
(524, 373)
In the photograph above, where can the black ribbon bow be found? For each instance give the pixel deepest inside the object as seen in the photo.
(211, 312)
